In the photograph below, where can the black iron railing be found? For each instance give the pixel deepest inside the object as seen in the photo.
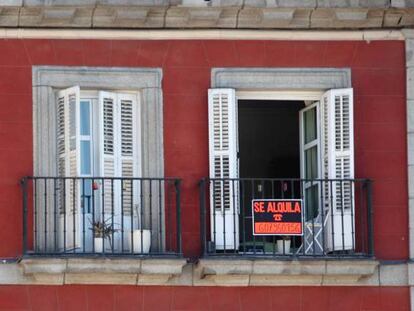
(101, 215)
(337, 217)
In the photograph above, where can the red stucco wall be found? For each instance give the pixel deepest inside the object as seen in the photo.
(378, 77)
(117, 298)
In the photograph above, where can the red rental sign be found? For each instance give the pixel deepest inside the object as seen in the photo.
(277, 217)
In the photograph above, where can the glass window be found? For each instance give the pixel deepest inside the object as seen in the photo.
(311, 163)
(85, 154)
(310, 125)
(85, 116)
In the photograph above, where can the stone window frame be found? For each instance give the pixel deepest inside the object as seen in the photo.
(146, 82)
(271, 80)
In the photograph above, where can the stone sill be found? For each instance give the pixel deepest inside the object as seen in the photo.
(102, 271)
(206, 272)
(224, 272)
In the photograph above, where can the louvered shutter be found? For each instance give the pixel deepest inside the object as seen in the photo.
(119, 152)
(68, 151)
(128, 153)
(338, 164)
(108, 148)
(224, 194)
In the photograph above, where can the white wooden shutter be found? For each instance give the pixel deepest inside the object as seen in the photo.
(108, 147)
(129, 146)
(68, 150)
(119, 143)
(338, 163)
(222, 108)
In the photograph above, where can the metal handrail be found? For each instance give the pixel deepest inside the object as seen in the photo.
(66, 216)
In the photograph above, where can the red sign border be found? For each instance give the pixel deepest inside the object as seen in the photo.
(279, 234)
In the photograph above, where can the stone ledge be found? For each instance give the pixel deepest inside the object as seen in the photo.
(255, 3)
(211, 17)
(128, 17)
(274, 18)
(102, 271)
(207, 272)
(76, 17)
(348, 18)
(220, 272)
(195, 17)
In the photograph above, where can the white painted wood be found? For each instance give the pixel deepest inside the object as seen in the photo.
(119, 151)
(338, 163)
(69, 166)
(224, 196)
(312, 238)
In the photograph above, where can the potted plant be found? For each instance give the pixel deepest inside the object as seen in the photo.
(140, 241)
(283, 245)
(102, 232)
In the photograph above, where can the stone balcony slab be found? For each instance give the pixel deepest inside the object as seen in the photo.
(128, 17)
(55, 16)
(196, 17)
(347, 18)
(9, 16)
(102, 270)
(285, 272)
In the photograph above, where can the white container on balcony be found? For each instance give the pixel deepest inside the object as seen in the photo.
(99, 245)
(142, 241)
(286, 249)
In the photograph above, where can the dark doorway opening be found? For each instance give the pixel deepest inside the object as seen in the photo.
(269, 139)
(268, 148)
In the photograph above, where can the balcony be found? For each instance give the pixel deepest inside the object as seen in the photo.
(107, 216)
(336, 223)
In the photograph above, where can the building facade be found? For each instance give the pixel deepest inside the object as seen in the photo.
(136, 139)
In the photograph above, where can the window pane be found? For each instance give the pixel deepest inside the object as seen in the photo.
(86, 187)
(85, 153)
(85, 118)
(312, 202)
(310, 127)
(311, 163)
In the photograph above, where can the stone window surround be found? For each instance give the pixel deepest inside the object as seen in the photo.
(145, 81)
(48, 79)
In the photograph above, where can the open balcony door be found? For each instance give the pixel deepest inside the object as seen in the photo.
(310, 142)
(68, 149)
(224, 193)
(327, 153)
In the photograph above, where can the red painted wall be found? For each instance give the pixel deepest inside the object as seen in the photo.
(378, 78)
(117, 298)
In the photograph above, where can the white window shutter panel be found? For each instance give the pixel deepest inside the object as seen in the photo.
(68, 150)
(222, 114)
(128, 154)
(108, 146)
(119, 151)
(338, 163)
